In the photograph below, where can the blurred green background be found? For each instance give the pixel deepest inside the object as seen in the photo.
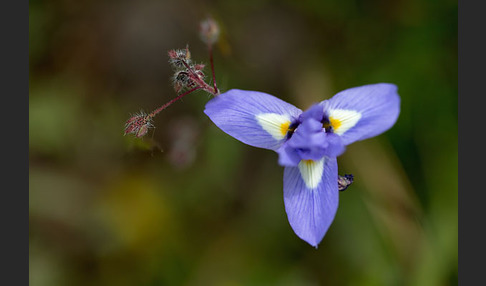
(190, 205)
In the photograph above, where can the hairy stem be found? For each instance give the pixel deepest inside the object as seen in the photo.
(155, 112)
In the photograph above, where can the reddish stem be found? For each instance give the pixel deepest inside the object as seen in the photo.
(155, 112)
(210, 49)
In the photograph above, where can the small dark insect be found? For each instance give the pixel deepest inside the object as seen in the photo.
(345, 181)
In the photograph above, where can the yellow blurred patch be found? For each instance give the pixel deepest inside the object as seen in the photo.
(137, 213)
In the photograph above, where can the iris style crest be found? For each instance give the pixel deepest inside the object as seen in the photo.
(307, 142)
(310, 139)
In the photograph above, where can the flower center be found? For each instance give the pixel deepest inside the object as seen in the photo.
(291, 129)
(329, 124)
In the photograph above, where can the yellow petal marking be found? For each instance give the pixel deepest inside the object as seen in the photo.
(275, 124)
(284, 128)
(335, 123)
(342, 119)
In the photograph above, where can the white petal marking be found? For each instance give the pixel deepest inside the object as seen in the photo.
(342, 120)
(311, 172)
(275, 124)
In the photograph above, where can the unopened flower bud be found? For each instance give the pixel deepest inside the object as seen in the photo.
(178, 57)
(182, 80)
(182, 77)
(142, 131)
(138, 124)
(209, 31)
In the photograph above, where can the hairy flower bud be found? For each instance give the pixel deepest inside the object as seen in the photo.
(179, 58)
(182, 80)
(209, 31)
(138, 124)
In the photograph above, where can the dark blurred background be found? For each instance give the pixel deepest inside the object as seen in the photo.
(190, 205)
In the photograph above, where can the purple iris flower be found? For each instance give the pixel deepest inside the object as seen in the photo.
(307, 142)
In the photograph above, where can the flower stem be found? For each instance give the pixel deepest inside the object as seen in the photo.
(155, 112)
(210, 50)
